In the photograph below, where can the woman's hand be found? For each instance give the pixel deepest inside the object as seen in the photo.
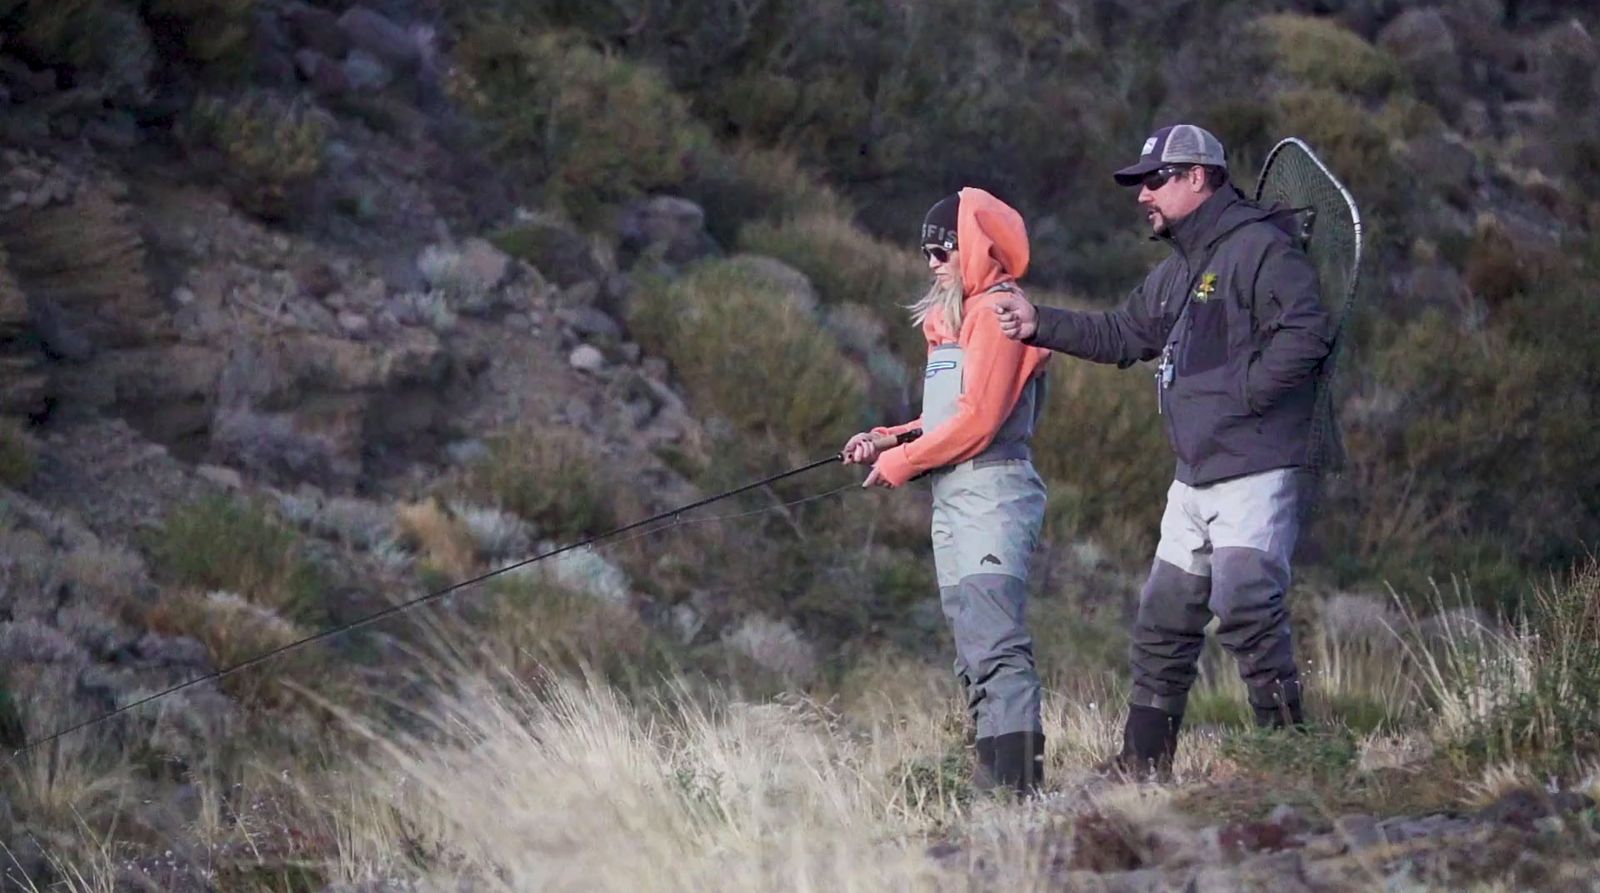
(864, 448)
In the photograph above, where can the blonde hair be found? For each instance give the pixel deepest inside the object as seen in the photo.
(946, 299)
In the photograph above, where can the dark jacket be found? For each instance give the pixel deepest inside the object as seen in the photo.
(1236, 304)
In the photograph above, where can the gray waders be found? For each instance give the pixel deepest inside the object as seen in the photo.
(987, 512)
(1225, 550)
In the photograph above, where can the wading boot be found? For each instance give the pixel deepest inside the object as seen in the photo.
(1019, 762)
(1277, 706)
(983, 779)
(1149, 743)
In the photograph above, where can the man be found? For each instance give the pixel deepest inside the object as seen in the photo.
(981, 399)
(1235, 318)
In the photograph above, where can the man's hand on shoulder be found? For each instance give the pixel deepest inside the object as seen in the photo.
(1018, 318)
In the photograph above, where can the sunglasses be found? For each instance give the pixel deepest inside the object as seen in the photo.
(936, 252)
(1159, 177)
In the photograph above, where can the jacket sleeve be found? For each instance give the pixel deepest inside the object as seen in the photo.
(992, 382)
(1297, 330)
(1126, 335)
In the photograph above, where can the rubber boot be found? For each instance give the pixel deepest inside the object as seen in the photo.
(1019, 762)
(1277, 706)
(983, 778)
(1149, 744)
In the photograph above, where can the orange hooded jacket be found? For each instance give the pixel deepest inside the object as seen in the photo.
(993, 242)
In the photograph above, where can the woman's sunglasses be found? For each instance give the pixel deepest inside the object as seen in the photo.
(936, 252)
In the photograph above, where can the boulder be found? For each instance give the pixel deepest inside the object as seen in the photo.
(317, 29)
(665, 226)
(369, 30)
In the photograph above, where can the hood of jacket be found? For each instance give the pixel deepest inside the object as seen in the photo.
(1225, 211)
(993, 241)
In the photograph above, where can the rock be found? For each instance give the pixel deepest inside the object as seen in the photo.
(330, 80)
(1358, 831)
(590, 323)
(115, 130)
(484, 264)
(1422, 42)
(272, 47)
(60, 338)
(308, 62)
(560, 253)
(371, 31)
(667, 227)
(32, 642)
(587, 358)
(774, 645)
(317, 29)
(171, 651)
(354, 324)
(365, 72)
(221, 476)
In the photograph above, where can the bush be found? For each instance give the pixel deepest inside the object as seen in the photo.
(271, 147)
(220, 543)
(846, 265)
(744, 184)
(1347, 137)
(592, 128)
(1103, 451)
(102, 41)
(211, 32)
(85, 252)
(1531, 696)
(752, 356)
(1319, 52)
(234, 630)
(16, 454)
(549, 477)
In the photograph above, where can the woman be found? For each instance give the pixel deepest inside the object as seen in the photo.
(982, 393)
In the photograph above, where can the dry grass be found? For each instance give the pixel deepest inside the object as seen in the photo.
(439, 536)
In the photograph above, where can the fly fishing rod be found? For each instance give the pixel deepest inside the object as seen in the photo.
(392, 610)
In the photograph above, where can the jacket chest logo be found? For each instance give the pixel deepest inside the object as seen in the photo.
(1207, 287)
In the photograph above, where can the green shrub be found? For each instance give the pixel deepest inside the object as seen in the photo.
(102, 41)
(594, 129)
(1319, 52)
(745, 352)
(1103, 451)
(1347, 136)
(16, 454)
(847, 265)
(233, 631)
(219, 542)
(550, 477)
(747, 183)
(1536, 690)
(85, 252)
(211, 32)
(271, 147)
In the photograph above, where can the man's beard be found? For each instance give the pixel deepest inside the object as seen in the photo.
(1157, 221)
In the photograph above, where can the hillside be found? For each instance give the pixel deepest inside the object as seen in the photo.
(311, 308)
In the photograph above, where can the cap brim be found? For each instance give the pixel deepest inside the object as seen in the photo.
(1132, 174)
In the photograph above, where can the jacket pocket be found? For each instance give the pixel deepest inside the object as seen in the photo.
(1205, 344)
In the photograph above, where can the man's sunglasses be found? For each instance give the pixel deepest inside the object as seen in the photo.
(1159, 177)
(936, 252)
